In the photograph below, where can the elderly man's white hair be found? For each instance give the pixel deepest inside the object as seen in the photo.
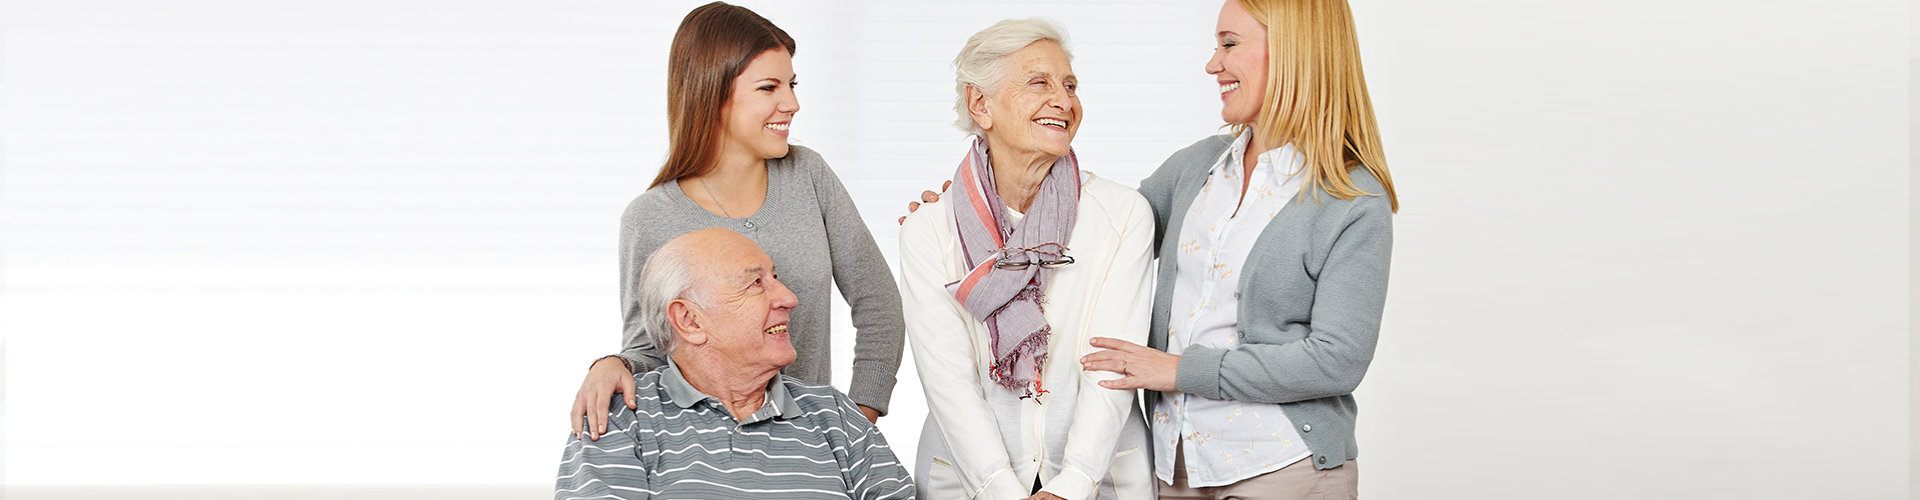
(668, 275)
(980, 61)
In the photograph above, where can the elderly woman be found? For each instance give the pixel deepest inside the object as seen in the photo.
(1009, 280)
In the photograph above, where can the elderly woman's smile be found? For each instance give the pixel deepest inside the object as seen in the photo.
(1034, 111)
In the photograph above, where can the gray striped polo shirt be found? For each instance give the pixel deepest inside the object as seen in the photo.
(806, 441)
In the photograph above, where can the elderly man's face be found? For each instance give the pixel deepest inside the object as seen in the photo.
(748, 306)
(1036, 107)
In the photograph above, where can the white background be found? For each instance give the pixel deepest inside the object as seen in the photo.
(1647, 249)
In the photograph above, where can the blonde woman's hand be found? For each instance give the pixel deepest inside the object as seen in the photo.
(1144, 367)
(926, 196)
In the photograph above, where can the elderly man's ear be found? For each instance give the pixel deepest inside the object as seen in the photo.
(688, 322)
(977, 106)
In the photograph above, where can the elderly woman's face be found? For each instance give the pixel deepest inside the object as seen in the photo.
(1034, 108)
(1239, 63)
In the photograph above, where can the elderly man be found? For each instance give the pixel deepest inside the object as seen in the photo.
(718, 421)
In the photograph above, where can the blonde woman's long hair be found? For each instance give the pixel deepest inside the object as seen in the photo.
(1316, 94)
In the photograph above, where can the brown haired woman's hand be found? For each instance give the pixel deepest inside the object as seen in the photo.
(607, 377)
(926, 196)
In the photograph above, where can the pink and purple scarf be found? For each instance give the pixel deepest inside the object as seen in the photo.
(1007, 300)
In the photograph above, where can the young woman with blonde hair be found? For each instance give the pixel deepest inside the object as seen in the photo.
(1274, 250)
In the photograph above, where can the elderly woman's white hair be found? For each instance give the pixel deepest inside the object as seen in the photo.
(979, 63)
(668, 275)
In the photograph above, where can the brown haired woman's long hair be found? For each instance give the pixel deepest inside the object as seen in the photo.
(1317, 95)
(713, 45)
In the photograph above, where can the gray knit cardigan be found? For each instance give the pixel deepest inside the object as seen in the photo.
(1311, 296)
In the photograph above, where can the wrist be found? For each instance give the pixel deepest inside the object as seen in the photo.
(623, 362)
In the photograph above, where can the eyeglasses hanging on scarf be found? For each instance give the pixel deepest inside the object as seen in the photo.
(1060, 258)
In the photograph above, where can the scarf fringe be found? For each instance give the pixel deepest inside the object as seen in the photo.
(1035, 345)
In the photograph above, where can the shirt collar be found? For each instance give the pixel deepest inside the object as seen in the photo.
(1231, 157)
(685, 396)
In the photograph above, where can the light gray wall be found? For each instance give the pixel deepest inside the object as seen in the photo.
(1648, 249)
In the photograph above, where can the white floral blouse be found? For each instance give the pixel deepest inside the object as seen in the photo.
(1224, 441)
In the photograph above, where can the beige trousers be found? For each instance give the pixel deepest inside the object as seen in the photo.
(1299, 481)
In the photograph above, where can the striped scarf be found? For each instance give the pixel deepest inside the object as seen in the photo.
(1008, 300)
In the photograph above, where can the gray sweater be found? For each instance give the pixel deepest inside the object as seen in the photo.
(810, 228)
(1311, 296)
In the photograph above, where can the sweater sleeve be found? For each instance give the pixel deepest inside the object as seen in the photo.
(1124, 301)
(1157, 188)
(1349, 296)
(635, 347)
(861, 273)
(944, 355)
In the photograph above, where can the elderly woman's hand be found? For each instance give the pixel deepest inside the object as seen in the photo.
(1144, 367)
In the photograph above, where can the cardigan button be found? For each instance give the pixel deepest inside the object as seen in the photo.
(1236, 295)
(1323, 460)
(1306, 427)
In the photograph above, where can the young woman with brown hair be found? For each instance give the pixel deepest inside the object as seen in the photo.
(731, 99)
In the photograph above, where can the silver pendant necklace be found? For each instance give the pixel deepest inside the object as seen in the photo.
(723, 207)
(715, 198)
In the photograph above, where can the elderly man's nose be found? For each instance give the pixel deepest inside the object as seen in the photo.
(783, 297)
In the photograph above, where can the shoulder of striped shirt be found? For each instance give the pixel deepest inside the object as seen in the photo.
(810, 398)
